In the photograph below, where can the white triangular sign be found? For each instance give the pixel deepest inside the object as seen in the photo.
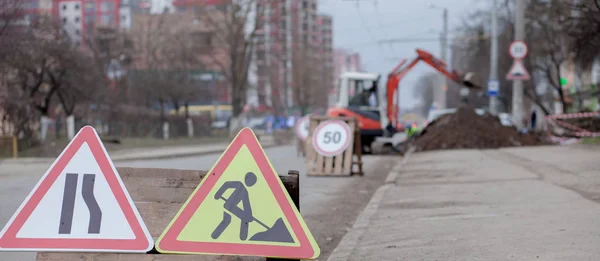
(80, 204)
(518, 71)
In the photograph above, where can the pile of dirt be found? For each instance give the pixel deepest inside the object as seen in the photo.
(467, 130)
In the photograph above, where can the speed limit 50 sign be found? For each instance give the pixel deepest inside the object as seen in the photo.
(331, 138)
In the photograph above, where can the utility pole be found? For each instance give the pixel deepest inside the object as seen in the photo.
(517, 94)
(494, 102)
(444, 58)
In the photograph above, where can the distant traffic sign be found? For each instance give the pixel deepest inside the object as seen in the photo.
(518, 49)
(518, 71)
(493, 87)
(79, 205)
(302, 127)
(240, 208)
(331, 138)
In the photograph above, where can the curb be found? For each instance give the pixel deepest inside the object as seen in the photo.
(130, 158)
(187, 154)
(346, 247)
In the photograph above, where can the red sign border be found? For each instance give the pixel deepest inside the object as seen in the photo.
(337, 152)
(515, 42)
(88, 135)
(169, 243)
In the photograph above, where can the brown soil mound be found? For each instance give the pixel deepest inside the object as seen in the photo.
(467, 130)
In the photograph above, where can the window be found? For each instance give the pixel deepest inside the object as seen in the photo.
(208, 40)
(64, 20)
(64, 7)
(305, 4)
(90, 7)
(90, 19)
(107, 19)
(77, 32)
(77, 19)
(107, 6)
(304, 26)
(77, 7)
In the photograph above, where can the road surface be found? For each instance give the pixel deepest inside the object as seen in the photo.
(328, 204)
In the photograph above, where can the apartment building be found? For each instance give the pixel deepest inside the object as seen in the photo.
(288, 30)
(81, 17)
(31, 11)
(327, 79)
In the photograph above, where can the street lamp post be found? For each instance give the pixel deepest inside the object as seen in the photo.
(494, 101)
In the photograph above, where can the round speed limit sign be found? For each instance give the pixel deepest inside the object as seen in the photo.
(518, 49)
(302, 127)
(331, 138)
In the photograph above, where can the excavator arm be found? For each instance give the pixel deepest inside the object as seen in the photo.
(399, 72)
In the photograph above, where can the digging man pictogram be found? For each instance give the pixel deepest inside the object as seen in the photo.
(240, 194)
(277, 233)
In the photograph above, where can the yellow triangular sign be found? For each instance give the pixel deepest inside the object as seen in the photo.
(240, 208)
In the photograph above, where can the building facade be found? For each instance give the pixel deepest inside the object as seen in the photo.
(327, 78)
(80, 17)
(290, 33)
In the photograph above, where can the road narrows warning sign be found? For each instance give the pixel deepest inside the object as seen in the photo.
(80, 204)
(240, 208)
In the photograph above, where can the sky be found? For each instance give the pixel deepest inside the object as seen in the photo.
(359, 25)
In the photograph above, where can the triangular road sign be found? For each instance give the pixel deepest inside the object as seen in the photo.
(240, 208)
(80, 205)
(518, 71)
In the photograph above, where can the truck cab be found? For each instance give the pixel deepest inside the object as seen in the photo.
(359, 95)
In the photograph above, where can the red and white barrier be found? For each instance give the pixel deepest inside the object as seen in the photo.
(563, 140)
(574, 115)
(572, 130)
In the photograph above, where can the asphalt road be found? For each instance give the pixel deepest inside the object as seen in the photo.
(328, 204)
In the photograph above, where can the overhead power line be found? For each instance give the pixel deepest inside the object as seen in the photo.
(412, 40)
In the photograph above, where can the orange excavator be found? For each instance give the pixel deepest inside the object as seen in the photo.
(358, 97)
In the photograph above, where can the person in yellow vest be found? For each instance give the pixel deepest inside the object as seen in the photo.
(410, 131)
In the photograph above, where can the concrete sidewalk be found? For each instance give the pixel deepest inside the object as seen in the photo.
(154, 152)
(538, 203)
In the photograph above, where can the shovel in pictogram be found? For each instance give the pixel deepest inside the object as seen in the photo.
(276, 233)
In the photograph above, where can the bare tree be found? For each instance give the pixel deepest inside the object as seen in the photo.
(308, 85)
(544, 36)
(584, 27)
(9, 13)
(550, 44)
(235, 27)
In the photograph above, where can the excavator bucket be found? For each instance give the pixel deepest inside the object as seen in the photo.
(471, 81)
